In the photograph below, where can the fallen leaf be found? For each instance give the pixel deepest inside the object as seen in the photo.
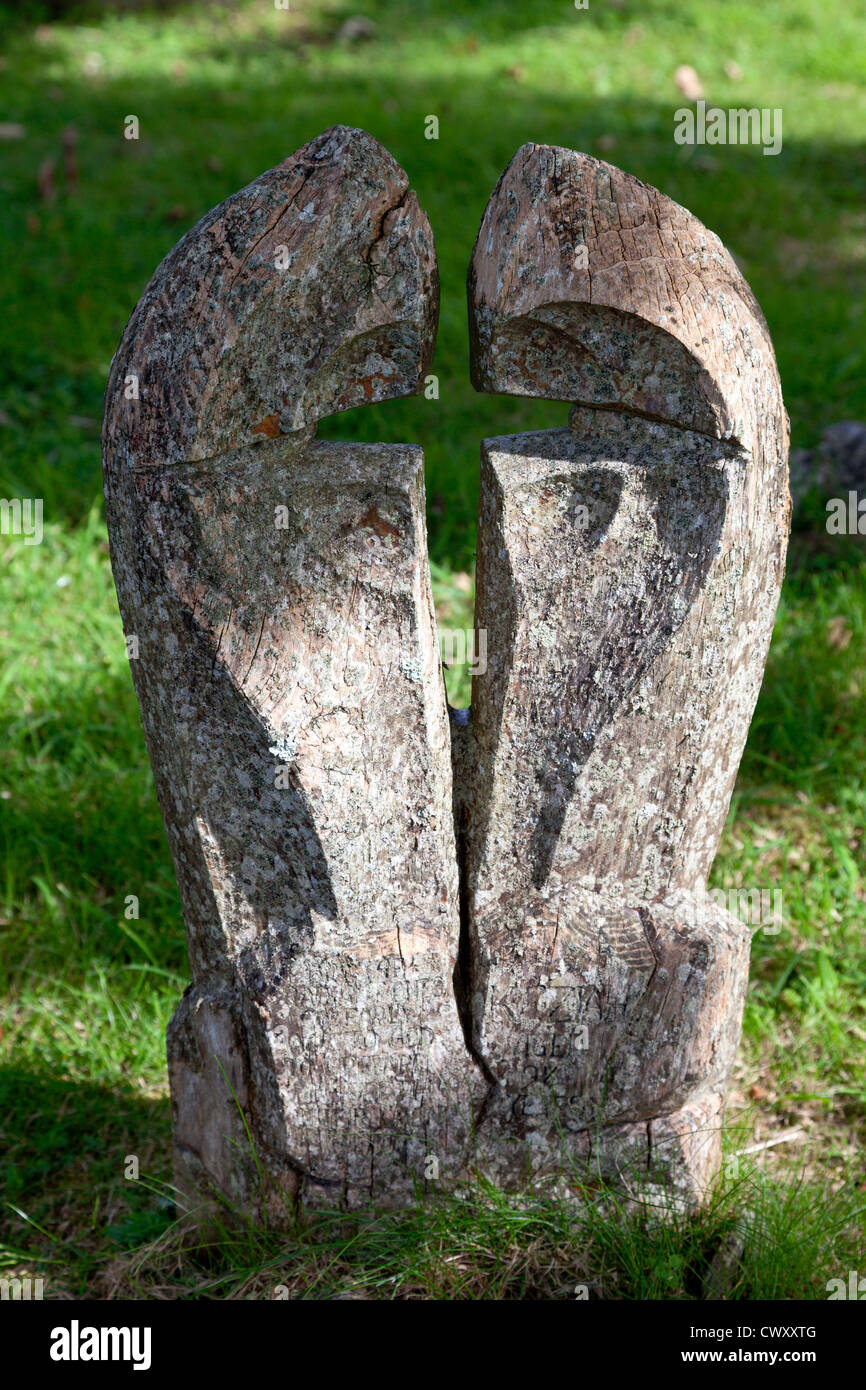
(45, 180)
(356, 28)
(793, 255)
(688, 82)
(839, 634)
(70, 163)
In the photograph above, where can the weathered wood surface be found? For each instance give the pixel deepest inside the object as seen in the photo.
(323, 910)
(290, 686)
(660, 322)
(628, 574)
(333, 871)
(312, 290)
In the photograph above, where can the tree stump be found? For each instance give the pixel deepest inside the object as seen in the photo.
(398, 973)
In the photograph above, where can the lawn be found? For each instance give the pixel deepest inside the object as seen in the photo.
(222, 92)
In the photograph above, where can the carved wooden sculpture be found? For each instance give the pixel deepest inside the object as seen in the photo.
(628, 574)
(294, 708)
(290, 685)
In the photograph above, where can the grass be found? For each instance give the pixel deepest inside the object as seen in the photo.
(480, 1244)
(223, 92)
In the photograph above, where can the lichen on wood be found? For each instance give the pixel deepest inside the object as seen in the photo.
(629, 569)
(417, 950)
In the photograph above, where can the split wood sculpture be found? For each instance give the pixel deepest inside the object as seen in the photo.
(396, 978)
(628, 574)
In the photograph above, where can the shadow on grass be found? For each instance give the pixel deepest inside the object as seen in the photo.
(66, 1147)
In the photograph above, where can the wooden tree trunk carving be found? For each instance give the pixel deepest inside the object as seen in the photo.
(628, 574)
(397, 975)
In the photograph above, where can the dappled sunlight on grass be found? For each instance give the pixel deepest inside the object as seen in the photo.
(92, 949)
